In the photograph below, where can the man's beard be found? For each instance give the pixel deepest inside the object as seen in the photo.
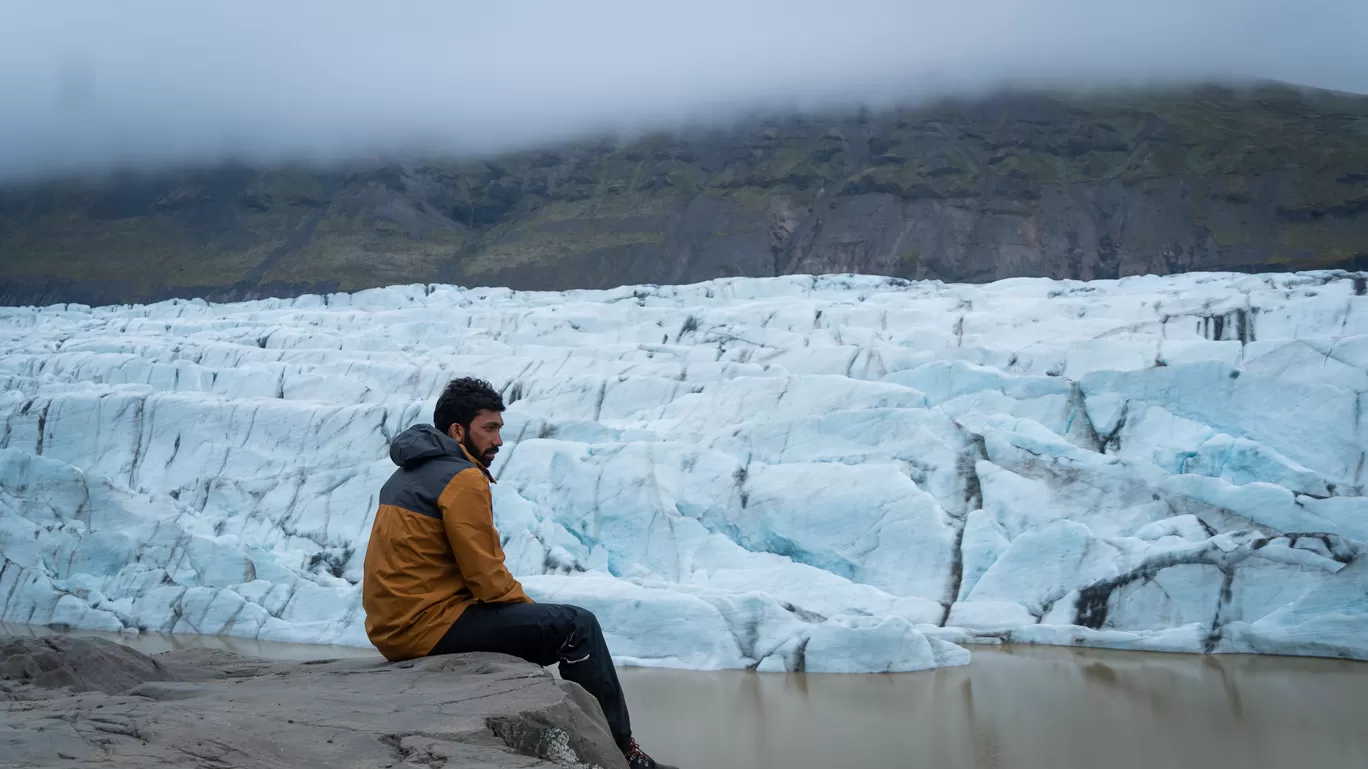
(487, 456)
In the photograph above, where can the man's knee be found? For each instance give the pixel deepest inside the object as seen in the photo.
(585, 621)
(568, 617)
(584, 635)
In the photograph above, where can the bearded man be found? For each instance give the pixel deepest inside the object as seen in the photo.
(435, 580)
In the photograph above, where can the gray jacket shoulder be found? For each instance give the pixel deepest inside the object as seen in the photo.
(418, 489)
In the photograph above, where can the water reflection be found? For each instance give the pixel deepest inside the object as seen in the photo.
(1022, 708)
(1017, 708)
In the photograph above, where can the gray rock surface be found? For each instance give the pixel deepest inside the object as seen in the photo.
(82, 664)
(75, 702)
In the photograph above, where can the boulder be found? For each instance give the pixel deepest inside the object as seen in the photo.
(78, 701)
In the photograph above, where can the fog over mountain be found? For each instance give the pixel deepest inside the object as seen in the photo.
(88, 87)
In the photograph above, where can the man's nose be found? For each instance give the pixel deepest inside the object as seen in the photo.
(498, 440)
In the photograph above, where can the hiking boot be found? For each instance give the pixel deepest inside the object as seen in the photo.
(637, 759)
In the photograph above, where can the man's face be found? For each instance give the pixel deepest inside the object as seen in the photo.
(482, 440)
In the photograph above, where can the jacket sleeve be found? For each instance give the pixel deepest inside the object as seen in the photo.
(468, 517)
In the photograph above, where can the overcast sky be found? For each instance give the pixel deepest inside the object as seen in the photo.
(92, 84)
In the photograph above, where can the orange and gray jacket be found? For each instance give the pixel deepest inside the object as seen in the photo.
(433, 547)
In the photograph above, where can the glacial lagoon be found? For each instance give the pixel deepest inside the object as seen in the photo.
(1024, 707)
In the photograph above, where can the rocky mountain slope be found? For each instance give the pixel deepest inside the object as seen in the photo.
(1053, 185)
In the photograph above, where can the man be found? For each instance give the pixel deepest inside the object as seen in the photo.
(435, 580)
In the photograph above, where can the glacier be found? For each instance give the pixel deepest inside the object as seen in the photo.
(831, 474)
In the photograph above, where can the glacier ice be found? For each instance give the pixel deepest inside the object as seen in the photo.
(837, 473)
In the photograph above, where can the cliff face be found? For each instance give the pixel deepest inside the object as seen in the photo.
(1018, 185)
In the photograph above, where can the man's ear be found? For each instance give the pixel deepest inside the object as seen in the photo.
(456, 432)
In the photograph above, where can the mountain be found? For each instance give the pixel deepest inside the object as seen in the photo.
(1060, 185)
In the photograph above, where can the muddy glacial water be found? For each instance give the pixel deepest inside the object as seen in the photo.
(1012, 707)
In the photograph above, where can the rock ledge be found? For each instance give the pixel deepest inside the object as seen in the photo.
(72, 702)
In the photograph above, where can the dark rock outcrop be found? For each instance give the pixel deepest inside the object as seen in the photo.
(73, 702)
(82, 664)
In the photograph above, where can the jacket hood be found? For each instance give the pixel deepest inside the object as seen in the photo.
(420, 443)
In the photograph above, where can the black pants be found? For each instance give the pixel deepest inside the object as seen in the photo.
(546, 633)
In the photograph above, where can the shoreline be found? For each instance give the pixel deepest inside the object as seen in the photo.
(152, 643)
(1127, 709)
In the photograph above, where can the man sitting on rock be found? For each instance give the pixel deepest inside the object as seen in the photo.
(435, 580)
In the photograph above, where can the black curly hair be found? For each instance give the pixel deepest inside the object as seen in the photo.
(461, 400)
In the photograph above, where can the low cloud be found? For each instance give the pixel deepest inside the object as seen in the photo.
(89, 86)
